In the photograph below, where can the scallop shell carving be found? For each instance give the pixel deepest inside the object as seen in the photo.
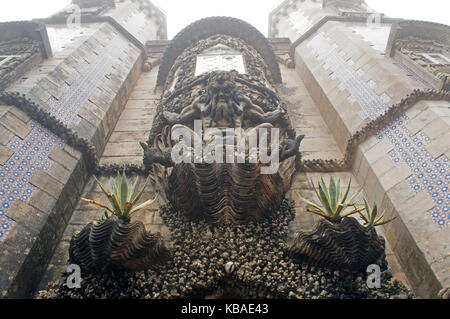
(116, 244)
(223, 193)
(347, 245)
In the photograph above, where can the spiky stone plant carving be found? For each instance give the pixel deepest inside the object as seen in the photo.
(115, 242)
(347, 245)
(339, 241)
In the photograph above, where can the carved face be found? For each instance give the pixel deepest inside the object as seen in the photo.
(221, 85)
(222, 104)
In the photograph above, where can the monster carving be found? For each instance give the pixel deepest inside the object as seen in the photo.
(228, 155)
(222, 106)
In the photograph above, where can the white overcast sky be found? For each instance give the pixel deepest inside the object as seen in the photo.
(180, 13)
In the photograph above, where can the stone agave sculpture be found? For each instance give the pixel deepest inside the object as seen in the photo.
(339, 241)
(116, 242)
(346, 245)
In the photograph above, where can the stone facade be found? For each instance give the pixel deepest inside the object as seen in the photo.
(358, 91)
(353, 81)
(422, 48)
(80, 93)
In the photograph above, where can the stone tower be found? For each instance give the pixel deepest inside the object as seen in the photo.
(79, 67)
(87, 92)
(361, 70)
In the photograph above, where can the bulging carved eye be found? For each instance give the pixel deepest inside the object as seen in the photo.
(213, 88)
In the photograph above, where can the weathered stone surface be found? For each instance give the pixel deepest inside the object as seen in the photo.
(122, 160)
(12, 253)
(42, 201)
(15, 125)
(4, 109)
(5, 154)
(394, 176)
(123, 149)
(25, 214)
(120, 137)
(61, 255)
(139, 113)
(84, 217)
(57, 190)
(374, 167)
(5, 135)
(383, 165)
(86, 130)
(63, 158)
(19, 114)
(46, 183)
(59, 172)
(439, 145)
(131, 125)
(401, 193)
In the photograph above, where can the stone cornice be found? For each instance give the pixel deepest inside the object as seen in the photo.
(44, 118)
(99, 19)
(61, 18)
(323, 21)
(315, 165)
(395, 111)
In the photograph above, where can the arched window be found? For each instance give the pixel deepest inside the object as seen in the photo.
(219, 58)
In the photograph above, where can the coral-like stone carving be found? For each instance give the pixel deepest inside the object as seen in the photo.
(127, 246)
(224, 190)
(347, 245)
(223, 27)
(223, 193)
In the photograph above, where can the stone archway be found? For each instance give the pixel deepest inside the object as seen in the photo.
(207, 27)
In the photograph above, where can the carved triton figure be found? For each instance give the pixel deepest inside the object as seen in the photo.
(223, 106)
(222, 191)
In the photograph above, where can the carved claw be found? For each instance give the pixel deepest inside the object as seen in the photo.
(274, 116)
(290, 148)
(153, 155)
(238, 109)
(206, 109)
(170, 117)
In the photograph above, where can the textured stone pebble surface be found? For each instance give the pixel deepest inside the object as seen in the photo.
(230, 261)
